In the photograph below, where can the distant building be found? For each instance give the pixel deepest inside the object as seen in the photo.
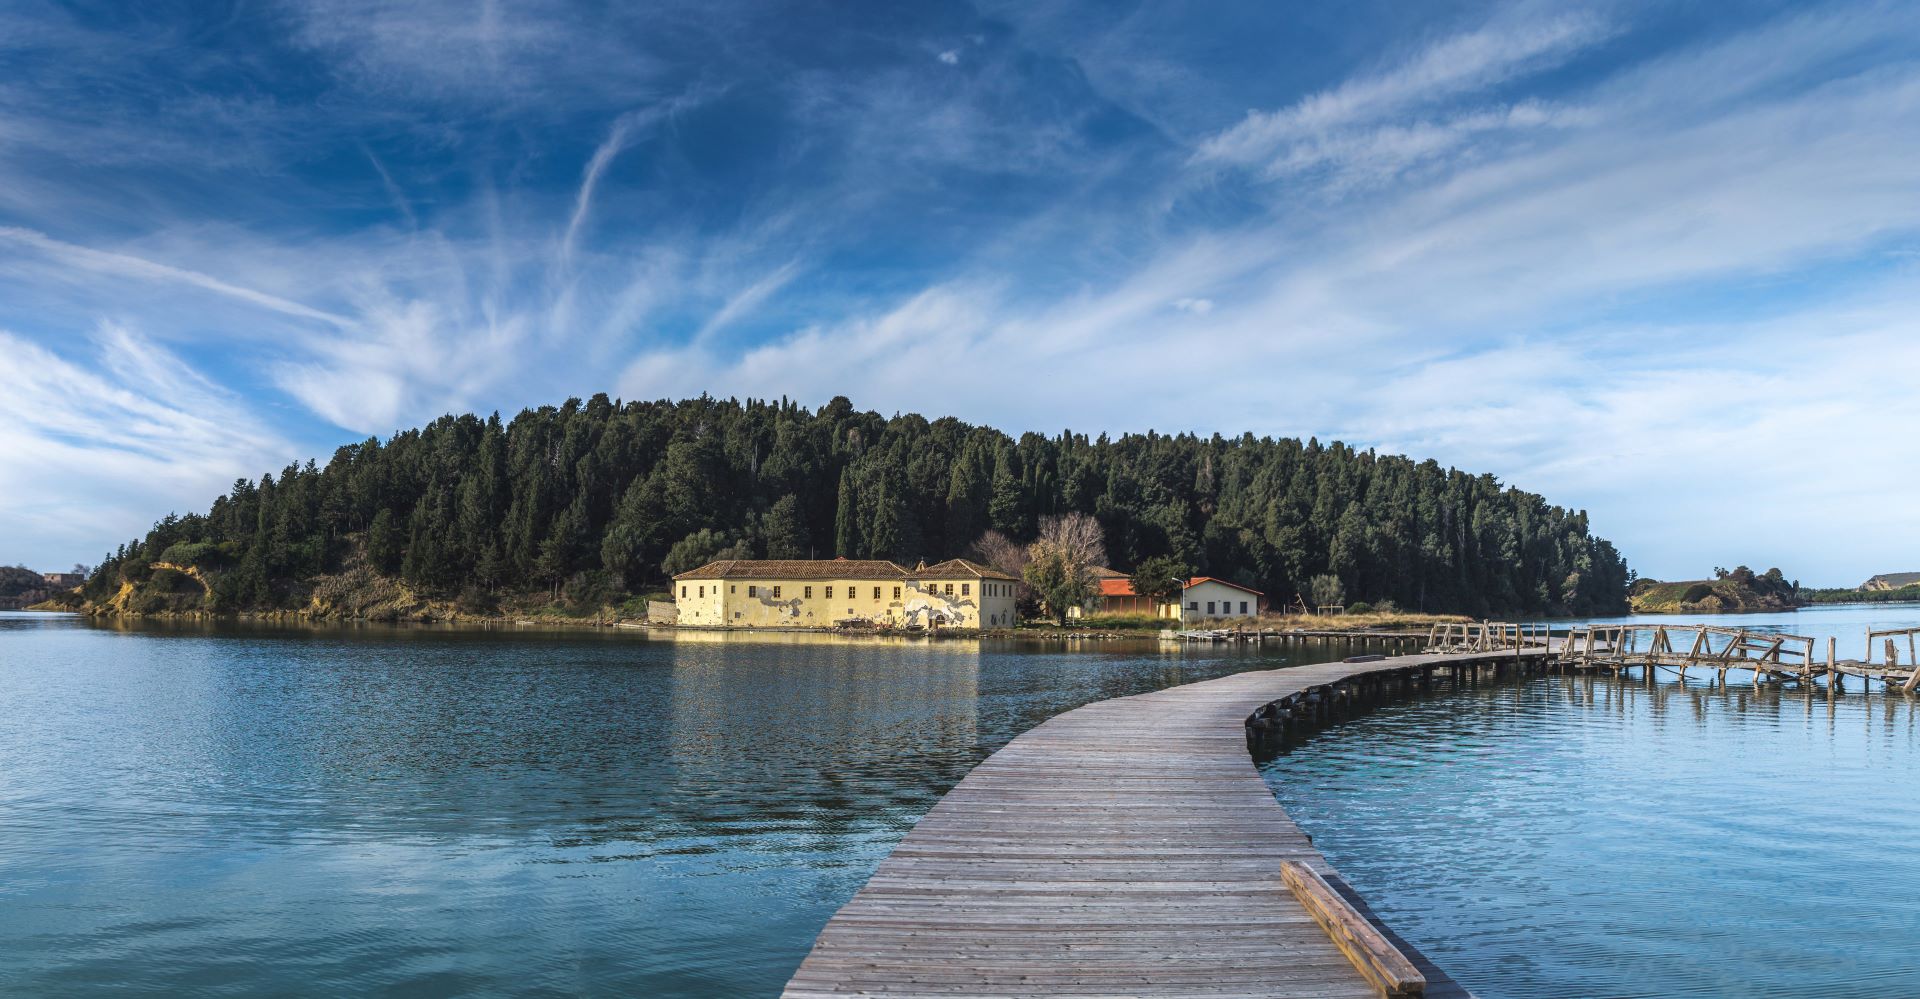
(1202, 597)
(1114, 594)
(1206, 597)
(1892, 581)
(820, 593)
(62, 580)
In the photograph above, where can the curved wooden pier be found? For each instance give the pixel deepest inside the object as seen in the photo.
(1125, 848)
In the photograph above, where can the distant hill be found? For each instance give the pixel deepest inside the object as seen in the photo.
(591, 504)
(1892, 581)
(1738, 592)
(21, 587)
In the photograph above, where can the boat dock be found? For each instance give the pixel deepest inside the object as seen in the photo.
(1130, 847)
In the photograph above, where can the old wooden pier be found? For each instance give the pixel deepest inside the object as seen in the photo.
(1129, 847)
(1764, 656)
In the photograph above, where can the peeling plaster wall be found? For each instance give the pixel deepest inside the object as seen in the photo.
(743, 603)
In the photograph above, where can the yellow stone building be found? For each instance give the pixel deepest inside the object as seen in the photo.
(805, 593)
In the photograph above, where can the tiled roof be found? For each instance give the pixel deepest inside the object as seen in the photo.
(1102, 572)
(1121, 587)
(1197, 580)
(796, 568)
(960, 567)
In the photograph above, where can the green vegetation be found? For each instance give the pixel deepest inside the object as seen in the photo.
(1739, 590)
(572, 509)
(1850, 595)
(1161, 578)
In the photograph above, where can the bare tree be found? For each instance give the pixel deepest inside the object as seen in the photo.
(1079, 536)
(1001, 552)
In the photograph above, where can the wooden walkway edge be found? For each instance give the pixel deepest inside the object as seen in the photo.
(1128, 847)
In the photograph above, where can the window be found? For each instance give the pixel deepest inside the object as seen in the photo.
(896, 593)
(1193, 605)
(683, 589)
(809, 593)
(963, 589)
(732, 588)
(1209, 606)
(776, 593)
(752, 590)
(949, 589)
(829, 593)
(1243, 606)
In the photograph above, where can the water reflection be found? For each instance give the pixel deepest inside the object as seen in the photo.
(205, 806)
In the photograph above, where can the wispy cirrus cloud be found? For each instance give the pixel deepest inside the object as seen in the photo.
(120, 433)
(1379, 123)
(1430, 236)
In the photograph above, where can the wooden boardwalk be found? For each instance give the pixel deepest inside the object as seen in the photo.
(1125, 848)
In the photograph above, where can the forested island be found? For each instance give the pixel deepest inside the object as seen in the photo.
(583, 508)
(1730, 591)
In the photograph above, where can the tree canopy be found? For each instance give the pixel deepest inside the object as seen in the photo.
(611, 496)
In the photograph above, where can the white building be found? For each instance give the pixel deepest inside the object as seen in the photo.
(1210, 598)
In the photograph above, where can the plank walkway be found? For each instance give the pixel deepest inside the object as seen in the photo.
(1125, 848)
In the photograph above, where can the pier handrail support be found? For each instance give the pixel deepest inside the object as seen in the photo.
(1377, 960)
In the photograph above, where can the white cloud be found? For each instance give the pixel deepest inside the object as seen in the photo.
(1465, 63)
(951, 57)
(1197, 306)
(101, 447)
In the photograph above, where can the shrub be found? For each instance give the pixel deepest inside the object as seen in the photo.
(1359, 607)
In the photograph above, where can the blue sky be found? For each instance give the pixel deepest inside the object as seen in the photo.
(1654, 260)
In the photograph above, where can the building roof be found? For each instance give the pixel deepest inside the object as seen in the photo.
(1197, 580)
(1121, 587)
(959, 567)
(1102, 572)
(796, 568)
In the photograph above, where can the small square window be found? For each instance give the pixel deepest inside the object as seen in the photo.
(752, 590)
(829, 593)
(1209, 606)
(1194, 605)
(896, 593)
(963, 589)
(949, 589)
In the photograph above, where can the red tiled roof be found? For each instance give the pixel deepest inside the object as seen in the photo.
(796, 568)
(960, 567)
(1197, 580)
(1121, 587)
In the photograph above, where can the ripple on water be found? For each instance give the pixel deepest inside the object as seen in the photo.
(1587, 837)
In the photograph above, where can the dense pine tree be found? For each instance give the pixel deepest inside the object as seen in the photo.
(615, 494)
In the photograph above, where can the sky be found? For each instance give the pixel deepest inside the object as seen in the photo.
(1656, 261)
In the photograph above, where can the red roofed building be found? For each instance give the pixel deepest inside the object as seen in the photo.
(1113, 594)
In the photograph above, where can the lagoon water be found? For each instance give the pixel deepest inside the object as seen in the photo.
(379, 810)
(1576, 836)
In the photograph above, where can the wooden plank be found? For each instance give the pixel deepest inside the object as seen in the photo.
(1126, 847)
(1378, 961)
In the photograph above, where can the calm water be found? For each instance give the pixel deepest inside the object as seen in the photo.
(1586, 837)
(415, 812)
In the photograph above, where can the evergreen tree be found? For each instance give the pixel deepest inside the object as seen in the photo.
(559, 493)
